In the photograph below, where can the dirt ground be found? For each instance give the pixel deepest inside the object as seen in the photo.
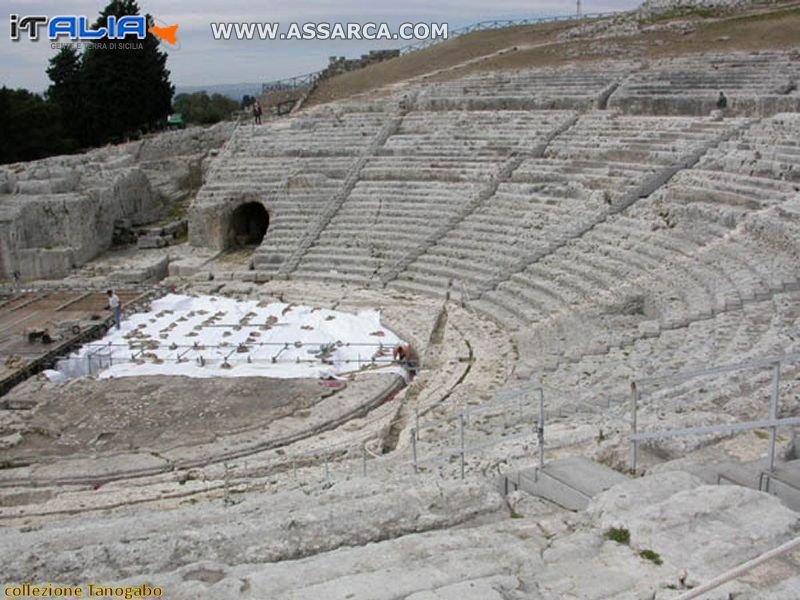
(772, 28)
(155, 413)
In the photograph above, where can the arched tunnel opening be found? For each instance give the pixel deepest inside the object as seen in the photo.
(249, 224)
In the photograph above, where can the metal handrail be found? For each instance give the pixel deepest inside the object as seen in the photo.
(540, 471)
(308, 79)
(680, 377)
(772, 422)
(768, 476)
(740, 570)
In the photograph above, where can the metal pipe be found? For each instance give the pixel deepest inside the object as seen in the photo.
(707, 429)
(740, 570)
(540, 428)
(634, 407)
(364, 459)
(414, 449)
(463, 450)
(773, 415)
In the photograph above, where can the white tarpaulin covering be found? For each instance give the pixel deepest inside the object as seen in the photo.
(209, 336)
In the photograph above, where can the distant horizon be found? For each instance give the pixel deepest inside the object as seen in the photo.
(200, 61)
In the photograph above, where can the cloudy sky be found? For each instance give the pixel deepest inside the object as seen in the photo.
(201, 60)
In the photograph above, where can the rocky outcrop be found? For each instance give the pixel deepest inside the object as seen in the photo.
(60, 212)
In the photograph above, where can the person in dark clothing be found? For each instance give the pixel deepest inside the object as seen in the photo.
(722, 101)
(257, 112)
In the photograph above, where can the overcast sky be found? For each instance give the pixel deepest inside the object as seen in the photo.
(201, 60)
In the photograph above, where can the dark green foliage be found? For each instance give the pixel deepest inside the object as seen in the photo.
(204, 109)
(66, 90)
(126, 91)
(619, 535)
(653, 557)
(30, 127)
(104, 95)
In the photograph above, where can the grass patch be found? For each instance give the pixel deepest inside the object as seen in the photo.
(762, 435)
(619, 535)
(682, 13)
(652, 556)
(178, 210)
(768, 16)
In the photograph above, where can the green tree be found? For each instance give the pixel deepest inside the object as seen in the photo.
(127, 90)
(65, 73)
(204, 109)
(30, 127)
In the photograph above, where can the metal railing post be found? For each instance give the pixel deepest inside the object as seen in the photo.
(540, 428)
(364, 459)
(461, 419)
(634, 407)
(773, 415)
(414, 449)
(416, 421)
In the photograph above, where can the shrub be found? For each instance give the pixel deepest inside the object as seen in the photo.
(619, 535)
(653, 557)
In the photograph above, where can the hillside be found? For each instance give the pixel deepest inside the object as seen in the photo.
(772, 27)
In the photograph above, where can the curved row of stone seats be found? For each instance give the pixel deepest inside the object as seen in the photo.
(726, 189)
(610, 326)
(321, 133)
(768, 149)
(563, 88)
(459, 145)
(555, 198)
(610, 136)
(520, 219)
(614, 179)
(417, 183)
(379, 223)
(292, 210)
(761, 83)
(259, 173)
(763, 328)
(686, 271)
(293, 167)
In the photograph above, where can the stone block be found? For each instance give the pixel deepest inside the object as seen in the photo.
(145, 243)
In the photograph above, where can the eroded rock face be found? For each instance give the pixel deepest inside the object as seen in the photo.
(422, 538)
(697, 529)
(59, 212)
(262, 529)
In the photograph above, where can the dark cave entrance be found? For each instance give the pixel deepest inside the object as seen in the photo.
(249, 224)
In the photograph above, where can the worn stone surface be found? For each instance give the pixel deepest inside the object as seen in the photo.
(576, 227)
(60, 212)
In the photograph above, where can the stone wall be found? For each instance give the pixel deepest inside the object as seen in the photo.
(341, 64)
(59, 213)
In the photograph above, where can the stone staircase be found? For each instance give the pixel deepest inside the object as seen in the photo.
(390, 126)
(568, 482)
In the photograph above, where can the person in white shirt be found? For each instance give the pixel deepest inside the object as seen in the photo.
(113, 304)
